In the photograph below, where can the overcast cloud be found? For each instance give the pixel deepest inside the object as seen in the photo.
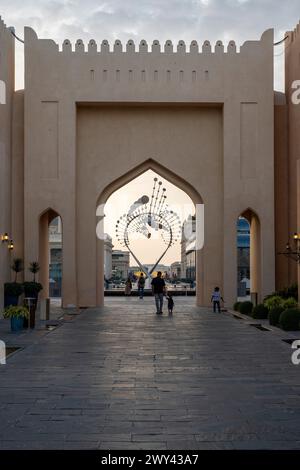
(152, 19)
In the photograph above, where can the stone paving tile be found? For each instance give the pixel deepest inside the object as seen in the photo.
(122, 378)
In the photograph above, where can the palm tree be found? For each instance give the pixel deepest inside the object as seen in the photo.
(17, 267)
(34, 268)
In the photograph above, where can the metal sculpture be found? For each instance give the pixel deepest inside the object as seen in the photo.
(146, 214)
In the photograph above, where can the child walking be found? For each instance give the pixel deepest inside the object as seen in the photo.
(216, 299)
(170, 303)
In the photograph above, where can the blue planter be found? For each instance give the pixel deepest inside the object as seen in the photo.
(16, 323)
(10, 300)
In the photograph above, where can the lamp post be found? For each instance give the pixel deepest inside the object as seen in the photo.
(292, 251)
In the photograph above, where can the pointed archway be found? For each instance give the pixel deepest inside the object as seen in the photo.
(118, 183)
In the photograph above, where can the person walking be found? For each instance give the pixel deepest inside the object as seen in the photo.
(128, 287)
(158, 290)
(141, 285)
(216, 299)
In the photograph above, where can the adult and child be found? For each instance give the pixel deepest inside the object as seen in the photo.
(159, 290)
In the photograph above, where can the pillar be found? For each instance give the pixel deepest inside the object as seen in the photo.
(44, 254)
(298, 221)
(255, 257)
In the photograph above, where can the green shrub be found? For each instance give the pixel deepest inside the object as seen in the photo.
(291, 291)
(273, 302)
(246, 307)
(260, 311)
(31, 289)
(16, 312)
(290, 303)
(274, 315)
(236, 306)
(14, 289)
(289, 319)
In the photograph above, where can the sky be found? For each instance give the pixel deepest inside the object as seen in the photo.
(240, 20)
(147, 251)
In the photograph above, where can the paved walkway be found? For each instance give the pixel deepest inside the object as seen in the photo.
(123, 377)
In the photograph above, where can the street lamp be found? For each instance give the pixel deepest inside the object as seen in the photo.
(293, 252)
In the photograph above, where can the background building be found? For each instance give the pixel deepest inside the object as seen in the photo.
(188, 249)
(120, 264)
(55, 257)
(175, 270)
(108, 246)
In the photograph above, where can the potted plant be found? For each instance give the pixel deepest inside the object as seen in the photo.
(32, 288)
(31, 291)
(13, 290)
(17, 315)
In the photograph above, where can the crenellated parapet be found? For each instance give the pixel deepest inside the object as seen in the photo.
(181, 48)
(295, 34)
(143, 47)
(141, 71)
(3, 27)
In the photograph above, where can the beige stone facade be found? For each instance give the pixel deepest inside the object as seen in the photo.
(287, 161)
(92, 119)
(6, 117)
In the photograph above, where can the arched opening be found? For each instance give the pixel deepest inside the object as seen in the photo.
(243, 258)
(248, 256)
(50, 254)
(104, 243)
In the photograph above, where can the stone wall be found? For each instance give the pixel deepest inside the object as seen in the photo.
(6, 107)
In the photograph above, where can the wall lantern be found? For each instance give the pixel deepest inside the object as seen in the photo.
(10, 245)
(293, 251)
(5, 238)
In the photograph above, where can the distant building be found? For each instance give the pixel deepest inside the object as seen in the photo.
(243, 255)
(108, 246)
(175, 270)
(188, 249)
(120, 263)
(160, 267)
(55, 257)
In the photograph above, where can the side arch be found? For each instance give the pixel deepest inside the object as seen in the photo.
(45, 218)
(255, 253)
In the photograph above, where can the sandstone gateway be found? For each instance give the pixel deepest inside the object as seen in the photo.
(93, 117)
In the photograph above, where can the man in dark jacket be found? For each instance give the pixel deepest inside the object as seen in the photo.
(158, 290)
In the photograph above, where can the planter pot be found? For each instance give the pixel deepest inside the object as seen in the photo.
(11, 300)
(31, 304)
(31, 295)
(16, 323)
(32, 316)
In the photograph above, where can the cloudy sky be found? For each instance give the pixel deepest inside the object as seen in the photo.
(152, 19)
